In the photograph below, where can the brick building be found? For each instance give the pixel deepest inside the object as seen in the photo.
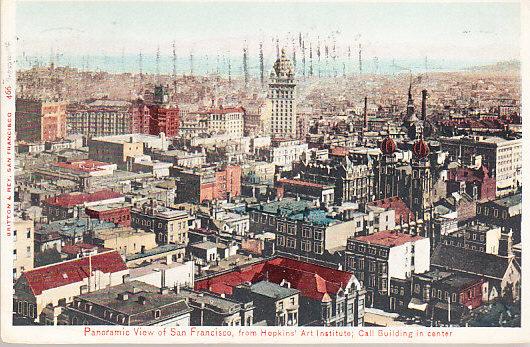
(164, 119)
(39, 120)
(208, 184)
(119, 214)
(477, 183)
(67, 205)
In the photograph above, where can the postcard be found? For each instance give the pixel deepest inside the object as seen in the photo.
(263, 172)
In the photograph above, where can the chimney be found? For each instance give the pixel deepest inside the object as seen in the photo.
(365, 124)
(163, 278)
(164, 290)
(424, 104)
(177, 288)
(123, 296)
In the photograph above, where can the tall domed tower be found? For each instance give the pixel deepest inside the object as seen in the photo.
(387, 177)
(420, 189)
(281, 99)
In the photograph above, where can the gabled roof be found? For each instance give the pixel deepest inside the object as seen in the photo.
(468, 261)
(313, 281)
(402, 211)
(71, 271)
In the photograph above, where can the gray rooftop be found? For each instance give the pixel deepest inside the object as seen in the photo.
(108, 297)
(273, 290)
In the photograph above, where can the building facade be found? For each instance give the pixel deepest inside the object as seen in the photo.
(281, 100)
(39, 120)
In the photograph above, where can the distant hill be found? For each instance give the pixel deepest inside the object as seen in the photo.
(503, 66)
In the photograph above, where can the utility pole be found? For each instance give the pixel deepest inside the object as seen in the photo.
(245, 65)
(261, 67)
(360, 60)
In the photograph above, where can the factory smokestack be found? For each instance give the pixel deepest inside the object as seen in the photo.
(423, 104)
(365, 112)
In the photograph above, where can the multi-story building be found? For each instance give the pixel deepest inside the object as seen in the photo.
(131, 304)
(353, 180)
(169, 225)
(476, 237)
(502, 157)
(283, 152)
(119, 214)
(23, 250)
(441, 297)
(224, 121)
(264, 216)
(504, 212)
(476, 183)
(164, 119)
(125, 240)
(328, 297)
(210, 309)
(324, 194)
(377, 258)
(207, 184)
(100, 118)
(311, 234)
(39, 120)
(121, 149)
(501, 271)
(280, 113)
(67, 206)
(56, 285)
(110, 150)
(277, 305)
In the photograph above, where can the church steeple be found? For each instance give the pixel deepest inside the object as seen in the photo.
(410, 102)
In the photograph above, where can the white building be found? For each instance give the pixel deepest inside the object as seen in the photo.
(501, 156)
(165, 274)
(284, 152)
(377, 258)
(280, 113)
(228, 121)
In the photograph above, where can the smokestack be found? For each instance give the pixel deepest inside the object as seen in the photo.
(423, 104)
(365, 112)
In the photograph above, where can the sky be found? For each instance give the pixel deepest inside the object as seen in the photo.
(466, 31)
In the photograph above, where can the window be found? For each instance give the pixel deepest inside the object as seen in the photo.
(417, 288)
(453, 297)
(292, 301)
(156, 314)
(280, 305)
(318, 235)
(317, 247)
(439, 294)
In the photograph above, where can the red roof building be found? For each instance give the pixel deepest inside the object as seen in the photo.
(388, 238)
(320, 285)
(402, 211)
(64, 206)
(477, 183)
(57, 284)
(76, 199)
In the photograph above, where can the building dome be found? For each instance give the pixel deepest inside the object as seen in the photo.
(421, 149)
(388, 146)
(283, 67)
